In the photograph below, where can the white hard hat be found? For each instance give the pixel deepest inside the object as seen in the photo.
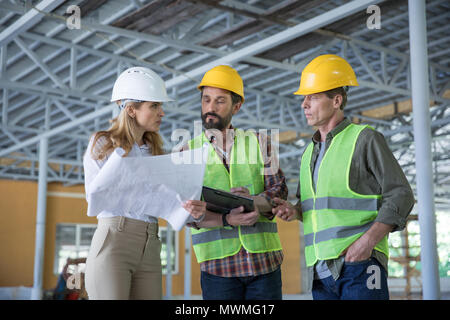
(138, 83)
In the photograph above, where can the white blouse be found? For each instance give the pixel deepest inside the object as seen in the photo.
(92, 168)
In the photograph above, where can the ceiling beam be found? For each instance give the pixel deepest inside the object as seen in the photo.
(28, 20)
(63, 128)
(284, 36)
(276, 39)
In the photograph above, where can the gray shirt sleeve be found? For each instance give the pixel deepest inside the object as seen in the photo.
(376, 171)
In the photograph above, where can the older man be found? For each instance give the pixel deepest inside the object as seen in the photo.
(352, 191)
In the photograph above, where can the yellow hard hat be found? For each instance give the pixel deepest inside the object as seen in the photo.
(324, 73)
(223, 77)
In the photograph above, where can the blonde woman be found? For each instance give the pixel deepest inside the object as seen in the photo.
(124, 258)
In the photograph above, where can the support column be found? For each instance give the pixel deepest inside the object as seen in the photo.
(169, 249)
(187, 263)
(36, 293)
(422, 140)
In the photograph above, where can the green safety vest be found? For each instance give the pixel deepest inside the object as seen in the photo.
(334, 216)
(246, 169)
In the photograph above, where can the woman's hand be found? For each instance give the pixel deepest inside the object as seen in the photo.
(196, 208)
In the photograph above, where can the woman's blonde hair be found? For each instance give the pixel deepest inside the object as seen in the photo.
(123, 134)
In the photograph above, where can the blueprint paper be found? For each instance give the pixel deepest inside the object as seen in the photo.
(155, 185)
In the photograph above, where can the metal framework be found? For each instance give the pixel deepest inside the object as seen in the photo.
(56, 81)
(48, 70)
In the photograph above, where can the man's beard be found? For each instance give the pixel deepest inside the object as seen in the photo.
(221, 124)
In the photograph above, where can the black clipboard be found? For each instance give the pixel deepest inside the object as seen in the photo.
(223, 202)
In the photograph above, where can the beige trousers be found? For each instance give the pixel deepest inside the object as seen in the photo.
(124, 261)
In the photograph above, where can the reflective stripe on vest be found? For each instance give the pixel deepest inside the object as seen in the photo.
(341, 204)
(334, 216)
(223, 233)
(246, 168)
(336, 232)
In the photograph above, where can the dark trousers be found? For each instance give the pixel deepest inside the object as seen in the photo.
(362, 280)
(263, 287)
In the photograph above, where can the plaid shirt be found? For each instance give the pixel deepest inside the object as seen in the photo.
(245, 263)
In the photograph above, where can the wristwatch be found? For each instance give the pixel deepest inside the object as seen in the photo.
(224, 221)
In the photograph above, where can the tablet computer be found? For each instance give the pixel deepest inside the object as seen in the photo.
(223, 202)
